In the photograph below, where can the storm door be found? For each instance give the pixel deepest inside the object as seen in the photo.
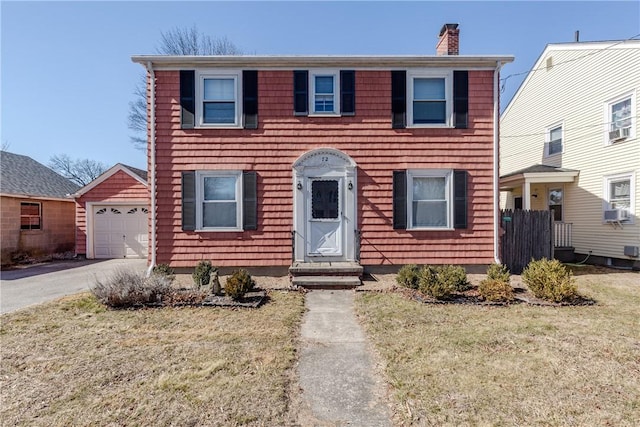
(325, 222)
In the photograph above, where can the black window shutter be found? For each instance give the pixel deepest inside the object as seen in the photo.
(188, 201)
(250, 99)
(187, 99)
(347, 92)
(398, 99)
(400, 200)
(301, 92)
(460, 178)
(461, 99)
(249, 200)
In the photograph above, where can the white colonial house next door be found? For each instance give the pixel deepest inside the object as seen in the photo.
(324, 206)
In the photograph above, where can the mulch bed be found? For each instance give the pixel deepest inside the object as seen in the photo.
(472, 297)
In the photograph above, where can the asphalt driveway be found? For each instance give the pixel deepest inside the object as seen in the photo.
(36, 284)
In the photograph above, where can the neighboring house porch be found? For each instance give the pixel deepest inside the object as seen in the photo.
(542, 187)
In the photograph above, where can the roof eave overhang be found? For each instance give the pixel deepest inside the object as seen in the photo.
(37, 197)
(290, 61)
(509, 182)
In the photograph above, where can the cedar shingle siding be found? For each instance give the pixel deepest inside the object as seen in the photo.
(282, 136)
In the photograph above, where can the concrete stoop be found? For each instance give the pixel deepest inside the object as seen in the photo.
(326, 275)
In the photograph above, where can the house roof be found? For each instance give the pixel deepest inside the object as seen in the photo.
(23, 176)
(352, 61)
(137, 174)
(594, 47)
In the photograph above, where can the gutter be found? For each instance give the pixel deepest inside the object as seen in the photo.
(152, 165)
(496, 163)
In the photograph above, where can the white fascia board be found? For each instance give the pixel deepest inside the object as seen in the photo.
(36, 197)
(352, 61)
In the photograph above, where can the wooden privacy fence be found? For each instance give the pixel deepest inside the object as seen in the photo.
(527, 235)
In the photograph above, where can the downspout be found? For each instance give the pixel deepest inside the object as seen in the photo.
(496, 163)
(152, 164)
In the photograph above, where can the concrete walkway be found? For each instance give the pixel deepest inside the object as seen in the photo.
(336, 370)
(36, 284)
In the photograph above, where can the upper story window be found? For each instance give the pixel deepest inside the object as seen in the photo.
(30, 216)
(619, 116)
(430, 102)
(554, 140)
(324, 99)
(218, 100)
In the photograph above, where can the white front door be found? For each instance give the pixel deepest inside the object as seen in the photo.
(325, 194)
(324, 217)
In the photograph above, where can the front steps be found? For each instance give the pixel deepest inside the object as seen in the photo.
(326, 275)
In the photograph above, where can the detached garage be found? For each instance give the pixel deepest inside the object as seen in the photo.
(112, 214)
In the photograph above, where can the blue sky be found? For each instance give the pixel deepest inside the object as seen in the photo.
(67, 76)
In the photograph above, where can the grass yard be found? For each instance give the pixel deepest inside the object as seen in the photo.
(72, 362)
(515, 365)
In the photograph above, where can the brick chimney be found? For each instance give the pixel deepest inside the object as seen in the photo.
(448, 43)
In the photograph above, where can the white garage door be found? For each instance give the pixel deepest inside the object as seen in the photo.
(120, 232)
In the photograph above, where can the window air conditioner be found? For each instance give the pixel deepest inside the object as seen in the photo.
(619, 134)
(611, 215)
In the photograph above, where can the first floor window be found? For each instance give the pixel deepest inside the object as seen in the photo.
(30, 216)
(619, 193)
(219, 196)
(430, 199)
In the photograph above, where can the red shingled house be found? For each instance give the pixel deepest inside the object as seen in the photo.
(273, 160)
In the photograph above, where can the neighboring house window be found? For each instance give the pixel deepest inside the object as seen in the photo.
(555, 203)
(430, 100)
(218, 201)
(554, 140)
(30, 216)
(218, 104)
(619, 116)
(619, 194)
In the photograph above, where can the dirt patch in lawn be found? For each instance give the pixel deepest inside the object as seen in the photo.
(73, 362)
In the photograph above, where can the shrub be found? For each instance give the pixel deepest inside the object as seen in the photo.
(431, 284)
(408, 276)
(164, 270)
(496, 290)
(202, 274)
(126, 288)
(238, 284)
(498, 272)
(453, 276)
(550, 280)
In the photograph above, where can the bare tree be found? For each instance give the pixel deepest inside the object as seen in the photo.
(178, 41)
(80, 171)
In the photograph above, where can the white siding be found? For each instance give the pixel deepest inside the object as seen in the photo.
(575, 91)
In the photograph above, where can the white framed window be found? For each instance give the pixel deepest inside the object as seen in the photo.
(429, 199)
(30, 216)
(219, 200)
(554, 140)
(430, 99)
(619, 118)
(325, 93)
(619, 197)
(218, 99)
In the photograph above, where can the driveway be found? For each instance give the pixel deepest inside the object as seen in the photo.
(36, 284)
